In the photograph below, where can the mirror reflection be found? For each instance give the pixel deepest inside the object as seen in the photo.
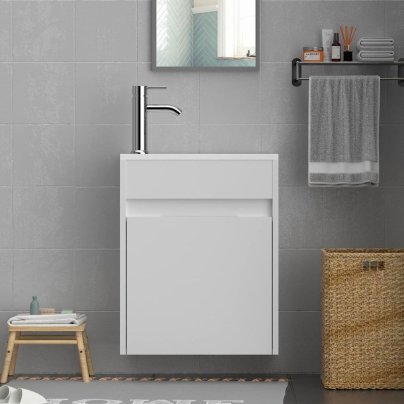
(205, 33)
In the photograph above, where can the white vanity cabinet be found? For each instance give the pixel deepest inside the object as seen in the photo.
(199, 254)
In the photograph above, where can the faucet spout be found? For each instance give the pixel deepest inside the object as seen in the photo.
(139, 116)
(163, 107)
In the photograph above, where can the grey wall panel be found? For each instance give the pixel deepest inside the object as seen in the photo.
(86, 80)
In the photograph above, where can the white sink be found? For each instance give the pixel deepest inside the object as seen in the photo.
(199, 254)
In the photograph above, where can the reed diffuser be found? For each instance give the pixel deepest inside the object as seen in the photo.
(348, 34)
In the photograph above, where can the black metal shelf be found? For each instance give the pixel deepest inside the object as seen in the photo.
(297, 65)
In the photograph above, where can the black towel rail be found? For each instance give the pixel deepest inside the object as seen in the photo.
(297, 66)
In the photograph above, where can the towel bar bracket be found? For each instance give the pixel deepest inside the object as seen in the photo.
(297, 65)
(401, 72)
(296, 72)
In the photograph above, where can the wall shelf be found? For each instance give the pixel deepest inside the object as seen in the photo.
(297, 67)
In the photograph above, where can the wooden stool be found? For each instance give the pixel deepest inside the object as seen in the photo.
(17, 338)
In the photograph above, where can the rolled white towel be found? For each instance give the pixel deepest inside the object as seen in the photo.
(376, 48)
(375, 59)
(371, 43)
(48, 319)
(376, 54)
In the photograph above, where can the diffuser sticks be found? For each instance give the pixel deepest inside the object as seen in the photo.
(348, 34)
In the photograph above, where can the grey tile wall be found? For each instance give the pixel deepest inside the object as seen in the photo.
(44, 217)
(230, 138)
(5, 94)
(6, 284)
(181, 138)
(106, 32)
(6, 217)
(43, 31)
(103, 92)
(354, 218)
(5, 31)
(300, 280)
(284, 41)
(43, 155)
(66, 71)
(5, 155)
(43, 93)
(97, 217)
(391, 146)
(96, 153)
(235, 100)
(183, 91)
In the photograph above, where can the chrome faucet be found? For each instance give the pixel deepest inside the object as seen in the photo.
(139, 116)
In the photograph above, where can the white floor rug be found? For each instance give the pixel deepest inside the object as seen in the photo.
(136, 392)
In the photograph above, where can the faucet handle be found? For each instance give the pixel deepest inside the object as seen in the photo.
(157, 87)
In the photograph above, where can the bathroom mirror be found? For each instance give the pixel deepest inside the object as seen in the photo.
(205, 34)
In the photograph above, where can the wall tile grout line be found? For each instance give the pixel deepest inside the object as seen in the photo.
(66, 186)
(72, 124)
(199, 111)
(12, 149)
(61, 249)
(75, 89)
(75, 109)
(70, 62)
(88, 311)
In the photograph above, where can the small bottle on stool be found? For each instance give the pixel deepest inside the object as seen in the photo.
(34, 306)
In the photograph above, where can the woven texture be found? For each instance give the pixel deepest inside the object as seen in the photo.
(363, 319)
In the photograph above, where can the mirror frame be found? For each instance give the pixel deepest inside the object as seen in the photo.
(206, 68)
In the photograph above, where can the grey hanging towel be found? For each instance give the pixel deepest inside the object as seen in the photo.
(344, 131)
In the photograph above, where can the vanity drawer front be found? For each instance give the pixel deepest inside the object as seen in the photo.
(199, 179)
(199, 286)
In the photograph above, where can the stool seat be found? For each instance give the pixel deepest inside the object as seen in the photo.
(77, 335)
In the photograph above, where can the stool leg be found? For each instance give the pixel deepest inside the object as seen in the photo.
(8, 357)
(88, 354)
(82, 356)
(11, 372)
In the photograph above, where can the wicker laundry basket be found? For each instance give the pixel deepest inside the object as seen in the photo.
(363, 319)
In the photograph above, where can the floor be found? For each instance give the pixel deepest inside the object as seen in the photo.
(307, 389)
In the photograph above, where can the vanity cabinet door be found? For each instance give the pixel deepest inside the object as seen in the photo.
(199, 285)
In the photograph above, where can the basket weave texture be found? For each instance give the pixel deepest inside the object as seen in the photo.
(363, 319)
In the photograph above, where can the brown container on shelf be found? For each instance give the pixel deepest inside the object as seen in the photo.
(363, 318)
(313, 54)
